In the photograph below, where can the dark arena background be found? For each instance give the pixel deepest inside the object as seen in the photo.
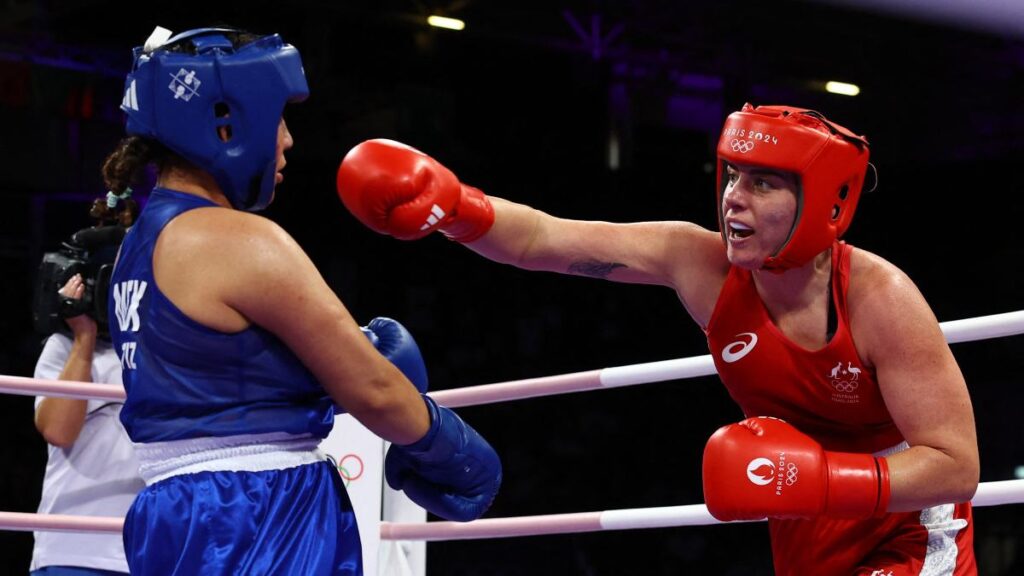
(595, 110)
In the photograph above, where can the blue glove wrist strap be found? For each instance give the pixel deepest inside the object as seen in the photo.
(424, 444)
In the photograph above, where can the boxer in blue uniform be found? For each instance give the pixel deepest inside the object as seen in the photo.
(233, 349)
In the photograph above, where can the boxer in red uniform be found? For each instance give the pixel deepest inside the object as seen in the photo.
(860, 445)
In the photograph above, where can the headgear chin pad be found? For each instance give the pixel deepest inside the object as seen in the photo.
(218, 106)
(829, 162)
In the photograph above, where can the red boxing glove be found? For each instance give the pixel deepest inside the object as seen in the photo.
(763, 467)
(397, 190)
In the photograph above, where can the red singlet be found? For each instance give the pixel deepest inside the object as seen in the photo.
(831, 396)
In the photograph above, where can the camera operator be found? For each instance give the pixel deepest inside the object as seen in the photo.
(91, 469)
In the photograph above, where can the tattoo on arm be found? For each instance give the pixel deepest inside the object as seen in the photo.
(594, 268)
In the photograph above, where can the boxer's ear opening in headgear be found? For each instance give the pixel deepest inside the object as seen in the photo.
(874, 180)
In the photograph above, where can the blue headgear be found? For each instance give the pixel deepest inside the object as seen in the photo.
(181, 100)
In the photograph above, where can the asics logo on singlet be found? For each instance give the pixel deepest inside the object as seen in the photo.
(741, 146)
(127, 296)
(881, 573)
(436, 213)
(740, 348)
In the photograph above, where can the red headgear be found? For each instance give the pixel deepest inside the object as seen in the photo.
(828, 160)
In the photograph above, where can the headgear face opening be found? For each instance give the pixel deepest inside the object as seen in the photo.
(829, 161)
(219, 107)
(91, 253)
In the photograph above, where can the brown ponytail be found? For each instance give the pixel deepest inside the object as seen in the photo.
(125, 164)
(122, 168)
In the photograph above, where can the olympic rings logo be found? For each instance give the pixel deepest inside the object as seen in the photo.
(845, 385)
(791, 474)
(350, 467)
(741, 146)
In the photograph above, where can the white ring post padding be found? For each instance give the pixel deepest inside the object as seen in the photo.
(989, 494)
(994, 326)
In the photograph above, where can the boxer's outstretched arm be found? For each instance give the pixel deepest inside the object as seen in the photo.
(397, 190)
(642, 252)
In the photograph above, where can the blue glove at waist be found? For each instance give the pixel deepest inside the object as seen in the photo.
(452, 471)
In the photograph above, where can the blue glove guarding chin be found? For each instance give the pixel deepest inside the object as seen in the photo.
(451, 472)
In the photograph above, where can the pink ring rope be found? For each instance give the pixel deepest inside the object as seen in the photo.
(989, 493)
(967, 330)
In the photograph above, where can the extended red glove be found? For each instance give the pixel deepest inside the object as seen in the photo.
(763, 467)
(397, 190)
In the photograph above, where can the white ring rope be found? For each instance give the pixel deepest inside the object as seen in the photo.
(989, 494)
(967, 330)
(980, 328)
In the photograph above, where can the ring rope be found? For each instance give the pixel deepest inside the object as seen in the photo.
(60, 388)
(966, 330)
(989, 494)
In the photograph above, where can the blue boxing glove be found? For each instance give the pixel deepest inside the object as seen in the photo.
(396, 344)
(452, 471)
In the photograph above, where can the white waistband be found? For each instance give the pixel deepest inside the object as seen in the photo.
(892, 450)
(242, 453)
